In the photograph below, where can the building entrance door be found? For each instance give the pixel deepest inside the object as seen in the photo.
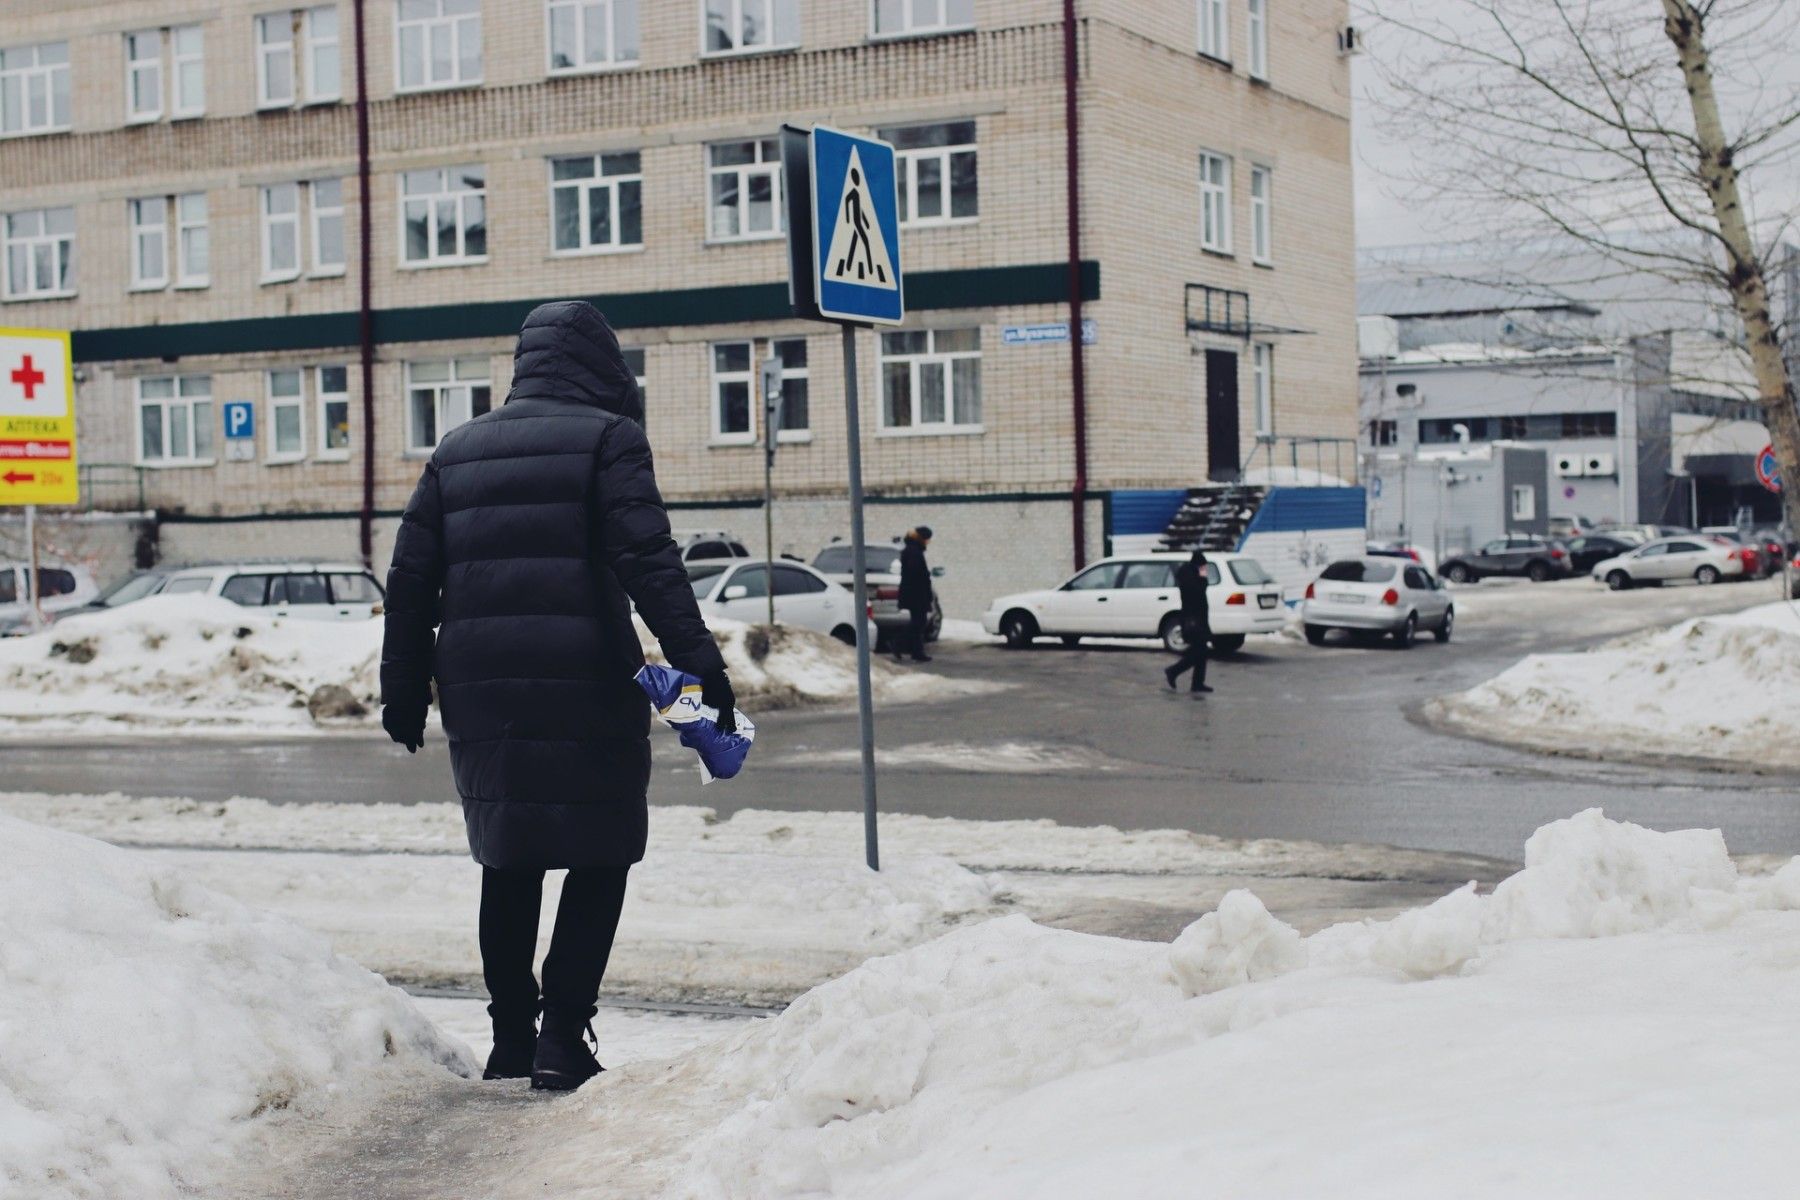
(1221, 415)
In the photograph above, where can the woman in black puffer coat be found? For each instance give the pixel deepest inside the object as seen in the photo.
(533, 530)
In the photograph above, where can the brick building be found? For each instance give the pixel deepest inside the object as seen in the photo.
(179, 184)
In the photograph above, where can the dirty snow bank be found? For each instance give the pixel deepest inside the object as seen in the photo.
(1613, 1021)
(1721, 687)
(145, 1022)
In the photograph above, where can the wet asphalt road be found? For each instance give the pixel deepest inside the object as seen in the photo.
(1297, 742)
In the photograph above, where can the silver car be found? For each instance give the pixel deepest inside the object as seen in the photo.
(1698, 557)
(1372, 597)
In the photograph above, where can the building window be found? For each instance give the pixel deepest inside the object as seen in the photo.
(1524, 502)
(333, 388)
(175, 423)
(1513, 429)
(1262, 384)
(187, 65)
(935, 172)
(1215, 30)
(193, 244)
(34, 88)
(280, 232)
(287, 419)
(40, 253)
(1384, 433)
(1256, 28)
(327, 199)
(442, 395)
(596, 203)
(733, 418)
(737, 26)
(143, 75)
(319, 40)
(744, 181)
(1215, 202)
(438, 43)
(591, 35)
(317, 77)
(1590, 425)
(149, 242)
(275, 60)
(1441, 431)
(931, 380)
(1262, 215)
(443, 216)
(796, 412)
(900, 18)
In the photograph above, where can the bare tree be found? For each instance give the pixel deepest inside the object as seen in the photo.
(1634, 128)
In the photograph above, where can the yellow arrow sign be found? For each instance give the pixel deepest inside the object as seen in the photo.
(37, 418)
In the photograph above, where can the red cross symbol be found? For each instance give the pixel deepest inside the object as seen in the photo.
(28, 377)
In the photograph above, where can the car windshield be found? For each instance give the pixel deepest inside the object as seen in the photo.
(1249, 572)
(1356, 571)
(840, 560)
(702, 576)
(132, 587)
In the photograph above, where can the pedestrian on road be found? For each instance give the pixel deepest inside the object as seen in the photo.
(1196, 622)
(915, 594)
(533, 530)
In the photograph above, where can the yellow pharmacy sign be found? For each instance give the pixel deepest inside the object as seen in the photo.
(37, 418)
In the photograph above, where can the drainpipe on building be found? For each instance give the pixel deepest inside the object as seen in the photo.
(365, 317)
(1077, 365)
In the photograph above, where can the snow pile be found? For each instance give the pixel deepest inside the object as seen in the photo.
(189, 661)
(1722, 688)
(1611, 1021)
(145, 1022)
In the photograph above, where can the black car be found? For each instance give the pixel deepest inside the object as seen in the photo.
(1536, 558)
(1591, 548)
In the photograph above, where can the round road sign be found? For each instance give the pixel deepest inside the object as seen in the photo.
(1767, 473)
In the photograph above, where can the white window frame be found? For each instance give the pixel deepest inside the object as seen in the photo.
(1256, 32)
(1524, 502)
(1262, 388)
(460, 25)
(312, 44)
(144, 234)
(767, 163)
(323, 401)
(912, 26)
(40, 79)
(767, 8)
(181, 398)
(1262, 215)
(272, 452)
(181, 105)
(452, 399)
(747, 377)
(450, 189)
(1215, 202)
(267, 221)
(61, 247)
(261, 23)
(803, 374)
(151, 65)
(613, 60)
(946, 359)
(584, 188)
(302, 46)
(191, 231)
(317, 214)
(1213, 33)
(906, 169)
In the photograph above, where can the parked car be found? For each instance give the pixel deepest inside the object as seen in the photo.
(837, 563)
(1375, 597)
(61, 588)
(740, 591)
(1700, 559)
(309, 591)
(1135, 596)
(696, 547)
(1757, 562)
(1591, 548)
(1537, 559)
(1630, 532)
(1561, 529)
(1407, 550)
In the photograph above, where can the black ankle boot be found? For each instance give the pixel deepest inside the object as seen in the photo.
(515, 1042)
(563, 1061)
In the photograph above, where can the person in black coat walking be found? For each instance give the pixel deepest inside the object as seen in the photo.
(532, 532)
(915, 593)
(1196, 622)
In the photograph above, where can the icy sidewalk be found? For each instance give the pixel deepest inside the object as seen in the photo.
(1722, 688)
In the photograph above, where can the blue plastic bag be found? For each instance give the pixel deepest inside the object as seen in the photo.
(676, 695)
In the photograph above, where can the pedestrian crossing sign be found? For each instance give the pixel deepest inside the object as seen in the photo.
(855, 228)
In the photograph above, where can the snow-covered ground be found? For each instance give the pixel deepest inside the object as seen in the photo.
(146, 1022)
(1717, 687)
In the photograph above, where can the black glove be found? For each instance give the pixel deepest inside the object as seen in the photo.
(715, 692)
(405, 725)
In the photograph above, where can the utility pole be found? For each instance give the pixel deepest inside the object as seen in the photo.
(771, 398)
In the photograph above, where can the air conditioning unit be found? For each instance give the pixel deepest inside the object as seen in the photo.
(1349, 41)
(1598, 464)
(1568, 465)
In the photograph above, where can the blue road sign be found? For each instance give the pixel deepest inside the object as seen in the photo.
(855, 229)
(240, 419)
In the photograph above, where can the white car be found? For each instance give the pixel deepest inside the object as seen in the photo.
(311, 591)
(739, 590)
(63, 588)
(1135, 596)
(1700, 558)
(1374, 597)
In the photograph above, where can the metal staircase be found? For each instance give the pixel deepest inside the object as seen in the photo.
(1213, 517)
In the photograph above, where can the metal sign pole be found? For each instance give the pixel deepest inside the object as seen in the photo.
(865, 701)
(34, 580)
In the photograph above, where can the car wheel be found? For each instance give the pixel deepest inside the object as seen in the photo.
(1315, 634)
(1228, 643)
(1403, 636)
(1174, 637)
(1018, 629)
(1458, 573)
(934, 624)
(845, 634)
(1618, 581)
(1537, 572)
(1442, 632)
(1707, 574)
(1071, 640)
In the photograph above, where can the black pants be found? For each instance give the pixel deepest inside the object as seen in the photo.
(586, 918)
(914, 637)
(1194, 659)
